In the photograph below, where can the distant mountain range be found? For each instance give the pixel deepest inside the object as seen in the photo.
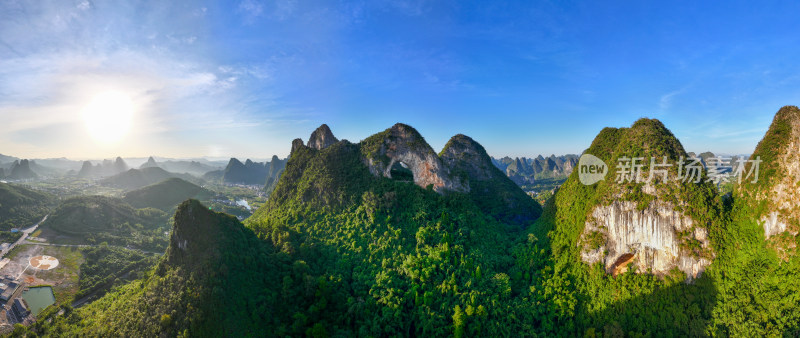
(139, 178)
(107, 168)
(55, 167)
(21, 170)
(523, 170)
(249, 172)
(183, 166)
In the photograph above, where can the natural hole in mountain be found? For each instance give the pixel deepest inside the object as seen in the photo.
(401, 172)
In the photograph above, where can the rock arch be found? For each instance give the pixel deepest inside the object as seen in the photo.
(402, 143)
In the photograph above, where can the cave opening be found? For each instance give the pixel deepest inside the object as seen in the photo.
(621, 264)
(401, 172)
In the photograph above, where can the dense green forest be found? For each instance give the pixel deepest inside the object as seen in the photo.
(21, 207)
(106, 267)
(166, 195)
(338, 251)
(98, 219)
(217, 278)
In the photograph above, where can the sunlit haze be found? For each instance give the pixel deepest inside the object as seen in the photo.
(108, 117)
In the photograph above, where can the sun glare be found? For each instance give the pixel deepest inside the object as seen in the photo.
(108, 116)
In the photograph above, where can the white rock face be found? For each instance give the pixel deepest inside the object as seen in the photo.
(783, 191)
(652, 235)
(773, 225)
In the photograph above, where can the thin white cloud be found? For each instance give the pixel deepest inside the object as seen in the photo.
(251, 10)
(665, 102)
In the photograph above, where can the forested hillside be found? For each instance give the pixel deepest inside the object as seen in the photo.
(97, 219)
(746, 291)
(216, 279)
(398, 259)
(166, 195)
(346, 248)
(21, 207)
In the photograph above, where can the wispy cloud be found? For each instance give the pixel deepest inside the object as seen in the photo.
(251, 9)
(665, 102)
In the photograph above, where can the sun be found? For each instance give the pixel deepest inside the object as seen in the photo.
(108, 116)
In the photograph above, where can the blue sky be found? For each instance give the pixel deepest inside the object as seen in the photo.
(244, 78)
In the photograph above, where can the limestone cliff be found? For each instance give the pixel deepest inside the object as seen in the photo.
(778, 185)
(402, 143)
(655, 226)
(654, 238)
(321, 138)
(296, 144)
(489, 187)
(401, 153)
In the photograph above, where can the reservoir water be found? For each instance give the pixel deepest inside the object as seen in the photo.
(39, 298)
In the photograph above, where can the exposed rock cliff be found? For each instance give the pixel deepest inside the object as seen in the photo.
(297, 143)
(321, 138)
(654, 238)
(655, 227)
(464, 153)
(778, 186)
(489, 188)
(402, 143)
(401, 153)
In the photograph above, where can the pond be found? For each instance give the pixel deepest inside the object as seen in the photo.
(39, 298)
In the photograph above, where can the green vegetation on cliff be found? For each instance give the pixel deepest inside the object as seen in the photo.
(105, 267)
(216, 279)
(338, 251)
(746, 291)
(398, 259)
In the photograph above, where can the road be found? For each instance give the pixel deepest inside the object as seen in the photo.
(67, 245)
(25, 234)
